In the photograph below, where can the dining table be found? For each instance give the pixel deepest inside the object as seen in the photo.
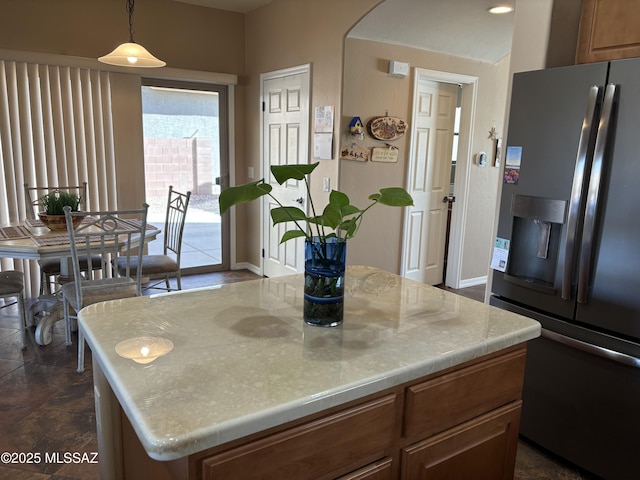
(30, 239)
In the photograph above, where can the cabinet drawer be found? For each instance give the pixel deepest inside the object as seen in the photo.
(482, 449)
(313, 449)
(443, 402)
(380, 470)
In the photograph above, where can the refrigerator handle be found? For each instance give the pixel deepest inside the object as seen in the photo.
(593, 349)
(576, 190)
(593, 194)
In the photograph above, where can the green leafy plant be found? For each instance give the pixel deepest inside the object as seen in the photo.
(339, 219)
(54, 202)
(326, 235)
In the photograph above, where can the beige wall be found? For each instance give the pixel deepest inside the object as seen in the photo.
(183, 35)
(283, 34)
(369, 91)
(289, 33)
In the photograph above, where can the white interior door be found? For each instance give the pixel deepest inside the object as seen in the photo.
(429, 178)
(285, 139)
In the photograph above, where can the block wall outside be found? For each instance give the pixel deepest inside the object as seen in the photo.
(185, 163)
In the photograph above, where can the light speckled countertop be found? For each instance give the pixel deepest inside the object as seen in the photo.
(244, 361)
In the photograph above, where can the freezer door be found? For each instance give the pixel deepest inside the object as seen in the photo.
(546, 123)
(581, 395)
(613, 293)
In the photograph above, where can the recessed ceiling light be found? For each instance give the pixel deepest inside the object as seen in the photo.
(501, 9)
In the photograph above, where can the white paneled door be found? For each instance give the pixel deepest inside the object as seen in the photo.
(285, 139)
(429, 180)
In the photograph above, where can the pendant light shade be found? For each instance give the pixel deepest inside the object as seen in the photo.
(131, 54)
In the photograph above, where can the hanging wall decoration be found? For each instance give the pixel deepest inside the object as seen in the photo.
(497, 149)
(356, 128)
(354, 152)
(498, 153)
(323, 132)
(388, 154)
(387, 128)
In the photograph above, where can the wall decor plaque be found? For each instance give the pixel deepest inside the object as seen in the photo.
(387, 128)
(384, 154)
(354, 153)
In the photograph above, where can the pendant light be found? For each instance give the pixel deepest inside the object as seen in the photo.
(131, 54)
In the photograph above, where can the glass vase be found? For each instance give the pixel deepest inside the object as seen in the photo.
(324, 281)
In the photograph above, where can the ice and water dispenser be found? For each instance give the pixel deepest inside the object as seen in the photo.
(535, 241)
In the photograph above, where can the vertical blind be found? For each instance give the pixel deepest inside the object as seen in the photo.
(56, 129)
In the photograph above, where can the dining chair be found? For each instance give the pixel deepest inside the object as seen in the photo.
(167, 265)
(50, 267)
(113, 235)
(12, 285)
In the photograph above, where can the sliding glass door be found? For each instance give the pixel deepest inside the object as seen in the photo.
(186, 145)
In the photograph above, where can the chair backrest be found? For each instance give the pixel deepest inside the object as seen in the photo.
(177, 205)
(103, 237)
(32, 196)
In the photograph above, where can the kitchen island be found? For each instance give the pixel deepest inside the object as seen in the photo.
(227, 382)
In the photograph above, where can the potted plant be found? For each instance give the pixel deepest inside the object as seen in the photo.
(325, 235)
(53, 203)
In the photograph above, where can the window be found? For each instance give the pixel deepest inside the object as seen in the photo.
(185, 145)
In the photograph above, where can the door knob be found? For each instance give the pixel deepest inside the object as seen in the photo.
(299, 200)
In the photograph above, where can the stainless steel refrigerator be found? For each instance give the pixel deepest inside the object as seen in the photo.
(570, 228)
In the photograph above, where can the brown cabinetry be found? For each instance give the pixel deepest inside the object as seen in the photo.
(463, 421)
(608, 30)
(482, 449)
(448, 400)
(381, 470)
(355, 436)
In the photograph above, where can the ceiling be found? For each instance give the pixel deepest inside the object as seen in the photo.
(462, 28)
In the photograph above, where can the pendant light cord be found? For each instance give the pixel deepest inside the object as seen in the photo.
(130, 12)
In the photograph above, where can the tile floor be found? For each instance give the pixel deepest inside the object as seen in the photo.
(47, 408)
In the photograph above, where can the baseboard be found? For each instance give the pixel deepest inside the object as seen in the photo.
(247, 266)
(472, 282)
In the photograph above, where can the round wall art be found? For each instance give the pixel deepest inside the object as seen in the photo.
(387, 128)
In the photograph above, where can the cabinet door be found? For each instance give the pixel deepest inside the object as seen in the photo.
(481, 449)
(608, 30)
